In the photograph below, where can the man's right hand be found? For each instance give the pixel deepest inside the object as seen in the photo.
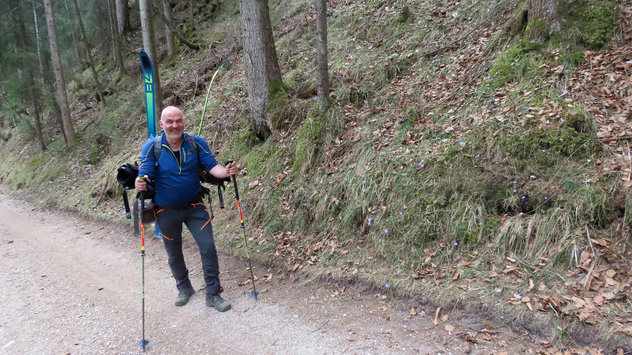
(141, 183)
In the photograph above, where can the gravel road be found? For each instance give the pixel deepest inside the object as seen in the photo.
(72, 286)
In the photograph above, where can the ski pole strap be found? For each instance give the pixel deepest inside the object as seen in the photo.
(219, 194)
(210, 205)
(126, 203)
(230, 160)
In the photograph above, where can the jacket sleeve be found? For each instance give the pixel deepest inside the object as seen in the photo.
(207, 160)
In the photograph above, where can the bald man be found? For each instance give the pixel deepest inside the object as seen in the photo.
(178, 201)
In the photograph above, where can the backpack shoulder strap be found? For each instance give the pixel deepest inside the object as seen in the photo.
(192, 143)
(157, 148)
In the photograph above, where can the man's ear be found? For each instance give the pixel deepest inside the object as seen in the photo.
(160, 124)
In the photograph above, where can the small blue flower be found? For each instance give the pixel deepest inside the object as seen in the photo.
(401, 213)
(369, 221)
(386, 230)
(546, 197)
(349, 199)
(422, 165)
(364, 182)
(456, 243)
(387, 285)
(515, 181)
(524, 197)
(461, 143)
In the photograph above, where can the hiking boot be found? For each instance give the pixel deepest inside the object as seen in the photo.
(183, 296)
(217, 302)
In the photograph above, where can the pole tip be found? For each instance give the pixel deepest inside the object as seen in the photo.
(254, 294)
(143, 343)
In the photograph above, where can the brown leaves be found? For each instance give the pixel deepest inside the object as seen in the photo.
(603, 85)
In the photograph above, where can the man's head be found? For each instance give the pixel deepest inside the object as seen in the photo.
(172, 122)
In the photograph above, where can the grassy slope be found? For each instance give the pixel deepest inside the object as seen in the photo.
(457, 162)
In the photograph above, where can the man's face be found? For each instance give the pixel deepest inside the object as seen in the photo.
(172, 123)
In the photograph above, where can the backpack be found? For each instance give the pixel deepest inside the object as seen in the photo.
(205, 177)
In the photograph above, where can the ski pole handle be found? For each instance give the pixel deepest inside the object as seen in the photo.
(142, 206)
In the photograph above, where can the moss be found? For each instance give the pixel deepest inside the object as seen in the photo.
(520, 61)
(517, 24)
(244, 141)
(591, 24)
(545, 146)
(536, 25)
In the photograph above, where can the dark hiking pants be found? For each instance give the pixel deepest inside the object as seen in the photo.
(195, 216)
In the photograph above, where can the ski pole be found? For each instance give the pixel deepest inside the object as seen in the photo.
(144, 341)
(243, 229)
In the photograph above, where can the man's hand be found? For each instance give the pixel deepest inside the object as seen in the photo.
(232, 169)
(223, 172)
(141, 183)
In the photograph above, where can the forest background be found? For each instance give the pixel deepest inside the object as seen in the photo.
(465, 154)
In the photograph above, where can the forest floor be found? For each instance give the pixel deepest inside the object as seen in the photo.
(72, 285)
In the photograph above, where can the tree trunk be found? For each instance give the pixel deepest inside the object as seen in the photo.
(323, 64)
(544, 19)
(169, 25)
(122, 16)
(166, 10)
(116, 38)
(148, 43)
(67, 127)
(25, 44)
(99, 88)
(37, 40)
(262, 65)
(79, 52)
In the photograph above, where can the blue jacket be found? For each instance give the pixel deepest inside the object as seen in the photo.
(176, 184)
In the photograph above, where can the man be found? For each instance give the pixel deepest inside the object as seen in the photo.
(178, 201)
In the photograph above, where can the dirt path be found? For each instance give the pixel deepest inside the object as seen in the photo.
(70, 285)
